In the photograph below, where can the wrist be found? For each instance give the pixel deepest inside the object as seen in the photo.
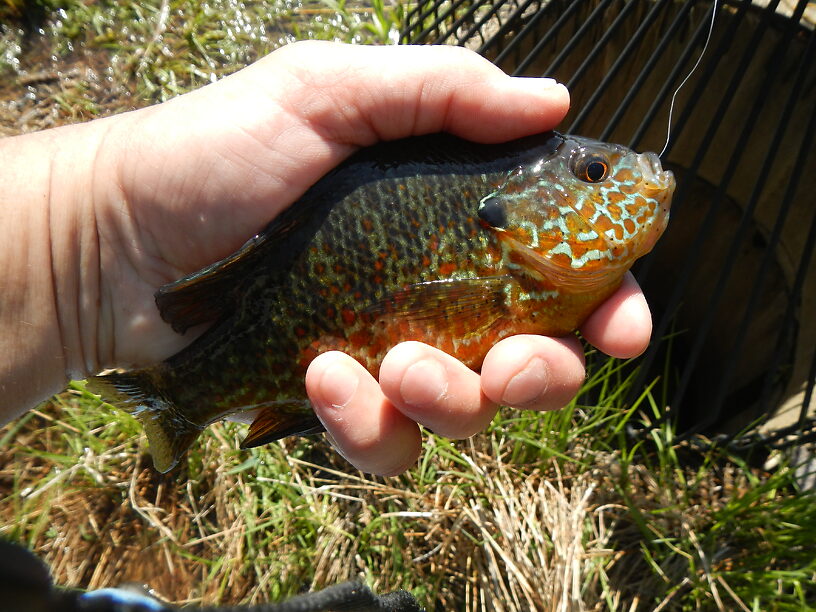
(49, 258)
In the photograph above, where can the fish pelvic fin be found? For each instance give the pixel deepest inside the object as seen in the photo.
(279, 422)
(169, 433)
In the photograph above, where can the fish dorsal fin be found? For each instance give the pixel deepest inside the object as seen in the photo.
(472, 303)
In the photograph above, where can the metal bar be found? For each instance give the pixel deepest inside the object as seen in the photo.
(705, 77)
(613, 70)
(530, 28)
(574, 40)
(644, 268)
(451, 10)
(683, 184)
(619, 20)
(477, 26)
(511, 23)
(467, 14)
(795, 298)
(681, 16)
(577, 37)
(769, 12)
(784, 208)
(702, 331)
(420, 16)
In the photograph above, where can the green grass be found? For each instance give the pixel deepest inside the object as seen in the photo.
(542, 510)
(157, 50)
(634, 524)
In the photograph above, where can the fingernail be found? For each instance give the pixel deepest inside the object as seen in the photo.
(528, 385)
(535, 84)
(424, 383)
(338, 385)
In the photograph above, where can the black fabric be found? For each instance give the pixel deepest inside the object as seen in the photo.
(345, 597)
(25, 586)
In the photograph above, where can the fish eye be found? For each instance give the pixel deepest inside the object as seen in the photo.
(590, 167)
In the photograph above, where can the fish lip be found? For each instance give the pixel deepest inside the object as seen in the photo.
(652, 171)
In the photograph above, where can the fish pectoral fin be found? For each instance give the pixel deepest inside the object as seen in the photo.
(279, 422)
(210, 293)
(477, 302)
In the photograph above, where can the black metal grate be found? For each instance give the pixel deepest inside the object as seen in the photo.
(732, 289)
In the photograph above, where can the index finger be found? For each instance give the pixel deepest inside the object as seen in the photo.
(622, 325)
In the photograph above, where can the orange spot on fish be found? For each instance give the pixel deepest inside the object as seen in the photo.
(615, 197)
(446, 269)
(348, 316)
(603, 224)
(359, 338)
(623, 175)
(614, 211)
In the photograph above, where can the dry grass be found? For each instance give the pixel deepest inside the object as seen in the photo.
(468, 529)
(543, 512)
(489, 537)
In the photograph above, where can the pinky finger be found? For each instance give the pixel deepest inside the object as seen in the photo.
(363, 425)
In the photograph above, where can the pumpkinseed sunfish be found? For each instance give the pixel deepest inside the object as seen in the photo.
(430, 238)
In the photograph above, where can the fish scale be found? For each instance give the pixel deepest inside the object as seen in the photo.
(432, 239)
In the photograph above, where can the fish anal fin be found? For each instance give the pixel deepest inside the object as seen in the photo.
(279, 422)
(472, 304)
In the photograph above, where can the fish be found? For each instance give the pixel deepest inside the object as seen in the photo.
(431, 238)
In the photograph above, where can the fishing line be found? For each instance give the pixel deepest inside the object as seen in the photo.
(688, 76)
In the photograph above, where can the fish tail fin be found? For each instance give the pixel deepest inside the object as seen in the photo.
(139, 393)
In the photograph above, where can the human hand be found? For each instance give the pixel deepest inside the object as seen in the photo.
(374, 425)
(197, 176)
(161, 192)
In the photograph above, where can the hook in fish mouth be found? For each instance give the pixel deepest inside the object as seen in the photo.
(653, 173)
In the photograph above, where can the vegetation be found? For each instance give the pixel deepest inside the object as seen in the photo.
(560, 510)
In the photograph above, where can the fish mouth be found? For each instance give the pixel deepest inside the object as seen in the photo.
(655, 177)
